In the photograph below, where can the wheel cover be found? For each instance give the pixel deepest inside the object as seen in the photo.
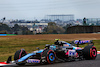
(51, 57)
(93, 52)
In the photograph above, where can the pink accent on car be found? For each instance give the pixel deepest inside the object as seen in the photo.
(67, 53)
(20, 54)
(79, 48)
(77, 55)
(93, 52)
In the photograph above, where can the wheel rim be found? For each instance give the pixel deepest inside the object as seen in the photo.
(51, 57)
(93, 52)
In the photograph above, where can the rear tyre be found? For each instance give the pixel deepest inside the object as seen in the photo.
(90, 52)
(49, 55)
(19, 54)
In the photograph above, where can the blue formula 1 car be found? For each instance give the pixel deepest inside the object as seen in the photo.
(60, 50)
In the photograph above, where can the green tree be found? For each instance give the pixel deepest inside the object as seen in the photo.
(68, 25)
(21, 29)
(16, 27)
(4, 28)
(52, 28)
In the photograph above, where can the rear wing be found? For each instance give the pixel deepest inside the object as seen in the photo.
(81, 42)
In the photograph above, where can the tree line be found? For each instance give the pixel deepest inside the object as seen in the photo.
(52, 28)
(5, 29)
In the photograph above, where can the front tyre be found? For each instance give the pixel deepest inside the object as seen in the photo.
(19, 54)
(49, 55)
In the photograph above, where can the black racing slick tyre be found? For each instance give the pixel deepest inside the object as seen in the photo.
(19, 54)
(49, 55)
(90, 52)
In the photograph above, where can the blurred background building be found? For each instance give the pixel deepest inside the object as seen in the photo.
(93, 21)
(63, 17)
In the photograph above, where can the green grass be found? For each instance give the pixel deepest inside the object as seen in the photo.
(8, 46)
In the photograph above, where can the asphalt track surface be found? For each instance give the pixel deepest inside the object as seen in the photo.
(77, 63)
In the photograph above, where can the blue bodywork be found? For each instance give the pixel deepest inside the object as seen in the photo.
(52, 47)
(82, 41)
(28, 55)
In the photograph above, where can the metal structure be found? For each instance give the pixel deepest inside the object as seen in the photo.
(95, 21)
(68, 17)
